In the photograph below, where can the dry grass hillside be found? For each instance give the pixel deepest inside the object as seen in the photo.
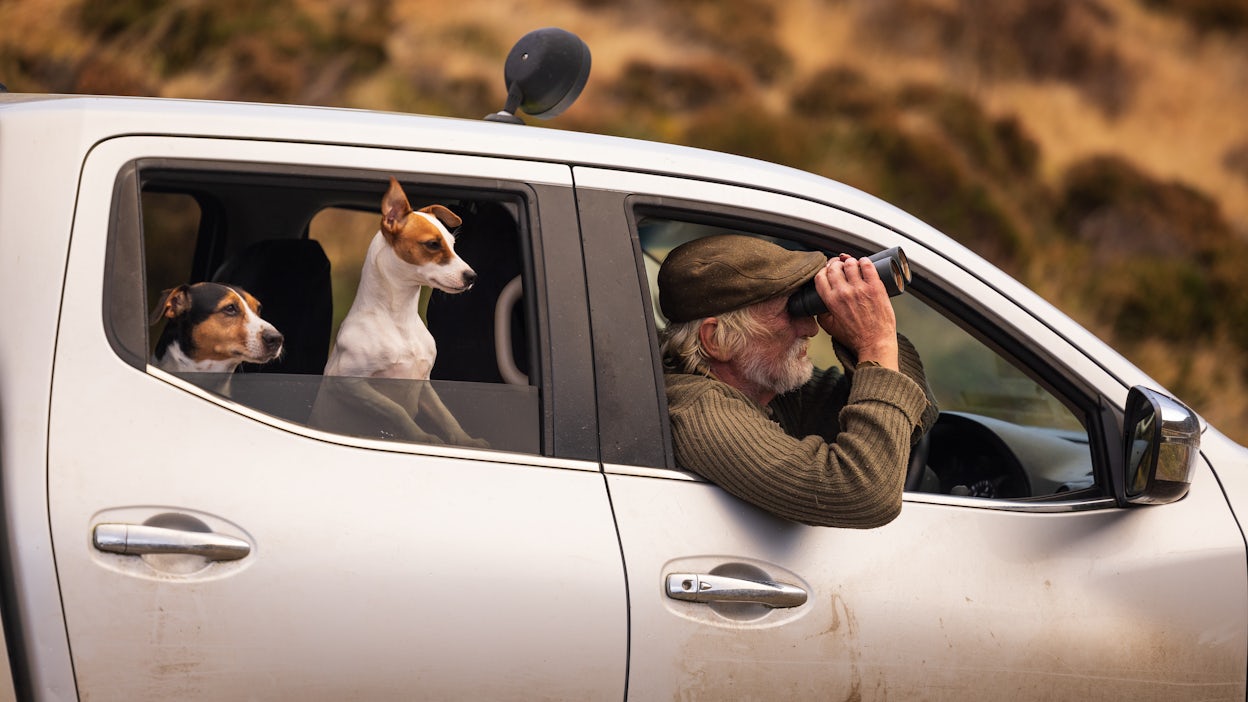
(1097, 149)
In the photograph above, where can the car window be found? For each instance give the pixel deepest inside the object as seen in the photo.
(296, 242)
(1002, 433)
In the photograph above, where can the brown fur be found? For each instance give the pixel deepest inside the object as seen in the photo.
(414, 239)
(224, 332)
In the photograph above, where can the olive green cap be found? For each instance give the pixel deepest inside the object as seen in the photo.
(718, 274)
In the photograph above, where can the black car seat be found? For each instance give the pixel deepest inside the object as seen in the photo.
(290, 278)
(464, 325)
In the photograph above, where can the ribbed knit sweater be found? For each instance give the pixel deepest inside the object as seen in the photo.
(831, 453)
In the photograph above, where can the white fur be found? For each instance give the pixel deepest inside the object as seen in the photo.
(383, 336)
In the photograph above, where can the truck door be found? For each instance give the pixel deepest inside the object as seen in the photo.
(1009, 574)
(212, 542)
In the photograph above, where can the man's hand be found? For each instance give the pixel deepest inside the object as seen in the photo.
(860, 314)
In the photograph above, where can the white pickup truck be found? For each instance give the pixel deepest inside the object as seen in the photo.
(1069, 530)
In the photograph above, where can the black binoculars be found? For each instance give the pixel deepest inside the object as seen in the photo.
(892, 266)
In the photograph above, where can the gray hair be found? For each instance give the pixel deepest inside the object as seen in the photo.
(681, 346)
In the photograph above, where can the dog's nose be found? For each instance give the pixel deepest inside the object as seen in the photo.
(272, 338)
(470, 277)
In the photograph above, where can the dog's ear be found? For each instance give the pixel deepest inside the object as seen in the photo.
(394, 208)
(173, 302)
(449, 219)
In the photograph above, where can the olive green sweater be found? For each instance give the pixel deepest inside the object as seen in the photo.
(831, 453)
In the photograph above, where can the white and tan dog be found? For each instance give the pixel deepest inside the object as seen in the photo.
(383, 335)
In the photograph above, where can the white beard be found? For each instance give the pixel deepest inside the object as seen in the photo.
(778, 375)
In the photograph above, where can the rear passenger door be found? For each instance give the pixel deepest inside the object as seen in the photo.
(213, 542)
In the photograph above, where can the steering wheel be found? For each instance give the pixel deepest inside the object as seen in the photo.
(918, 462)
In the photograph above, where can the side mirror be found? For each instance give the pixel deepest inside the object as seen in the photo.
(544, 74)
(1161, 448)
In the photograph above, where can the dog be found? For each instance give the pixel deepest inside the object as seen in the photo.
(383, 336)
(212, 328)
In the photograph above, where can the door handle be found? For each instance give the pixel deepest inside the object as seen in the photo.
(704, 587)
(140, 539)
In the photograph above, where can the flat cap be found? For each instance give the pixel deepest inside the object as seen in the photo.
(718, 274)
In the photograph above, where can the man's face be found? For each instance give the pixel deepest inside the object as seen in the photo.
(776, 359)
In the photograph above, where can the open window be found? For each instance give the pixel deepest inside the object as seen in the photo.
(1005, 431)
(295, 239)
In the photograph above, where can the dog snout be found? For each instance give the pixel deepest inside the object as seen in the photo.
(469, 278)
(272, 339)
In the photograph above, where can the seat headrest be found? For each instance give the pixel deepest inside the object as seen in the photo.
(290, 278)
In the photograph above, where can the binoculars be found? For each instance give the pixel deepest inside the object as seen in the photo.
(892, 266)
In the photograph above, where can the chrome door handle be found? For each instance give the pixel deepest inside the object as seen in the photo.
(704, 587)
(140, 539)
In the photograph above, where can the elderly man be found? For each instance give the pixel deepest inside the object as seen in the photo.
(749, 412)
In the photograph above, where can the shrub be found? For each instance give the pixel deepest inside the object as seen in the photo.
(108, 20)
(101, 74)
(748, 129)
(1063, 40)
(178, 34)
(1000, 147)
(33, 72)
(924, 175)
(1167, 264)
(273, 50)
(1206, 15)
(837, 91)
(673, 88)
(743, 29)
(1112, 204)
(1148, 297)
(431, 92)
(1235, 160)
(1020, 151)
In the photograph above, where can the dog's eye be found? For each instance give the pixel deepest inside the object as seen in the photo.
(435, 245)
(230, 310)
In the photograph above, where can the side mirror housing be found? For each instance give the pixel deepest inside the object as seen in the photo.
(544, 74)
(1162, 444)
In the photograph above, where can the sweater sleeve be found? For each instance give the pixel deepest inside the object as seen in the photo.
(911, 365)
(854, 481)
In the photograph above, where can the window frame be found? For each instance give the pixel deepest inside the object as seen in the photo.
(1101, 420)
(555, 311)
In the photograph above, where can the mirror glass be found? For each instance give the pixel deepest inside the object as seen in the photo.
(1142, 442)
(1174, 463)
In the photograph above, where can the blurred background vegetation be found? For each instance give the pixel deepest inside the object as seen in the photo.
(1096, 149)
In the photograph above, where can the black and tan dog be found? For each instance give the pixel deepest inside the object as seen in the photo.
(212, 328)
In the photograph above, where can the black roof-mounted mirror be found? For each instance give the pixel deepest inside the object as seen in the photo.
(544, 74)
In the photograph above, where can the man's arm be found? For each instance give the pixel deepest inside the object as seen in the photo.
(910, 364)
(814, 408)
(856, 481)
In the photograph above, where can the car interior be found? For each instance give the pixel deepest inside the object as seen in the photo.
(296, 241)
